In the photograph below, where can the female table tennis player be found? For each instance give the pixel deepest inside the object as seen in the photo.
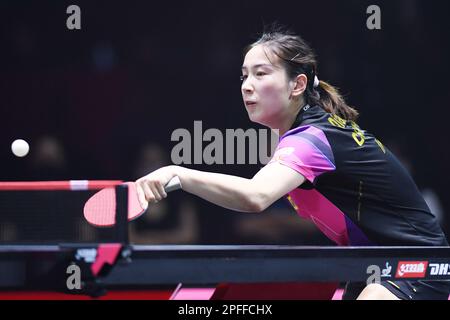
(332, 171)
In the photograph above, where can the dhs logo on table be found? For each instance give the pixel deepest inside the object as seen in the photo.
(439, 269)
(411, 269)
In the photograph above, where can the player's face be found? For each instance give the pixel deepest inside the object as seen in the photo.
(265, 87)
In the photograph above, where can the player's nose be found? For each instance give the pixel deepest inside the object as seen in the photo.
(247, 87)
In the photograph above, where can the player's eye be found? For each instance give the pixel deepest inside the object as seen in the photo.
(244, 77)
(260, 74)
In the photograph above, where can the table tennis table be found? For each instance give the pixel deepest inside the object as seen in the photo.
(161, 271)
(37, 270)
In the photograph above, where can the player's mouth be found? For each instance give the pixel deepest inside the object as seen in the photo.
(249, 103)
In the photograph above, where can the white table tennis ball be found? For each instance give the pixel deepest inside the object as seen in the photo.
(20, 148)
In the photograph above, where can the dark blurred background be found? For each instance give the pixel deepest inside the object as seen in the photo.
(102, 102)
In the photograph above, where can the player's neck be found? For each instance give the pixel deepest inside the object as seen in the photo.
(289, 118)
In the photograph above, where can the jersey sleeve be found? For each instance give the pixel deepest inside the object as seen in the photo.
(307, 151)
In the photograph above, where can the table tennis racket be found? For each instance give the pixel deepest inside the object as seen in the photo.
(100, 209)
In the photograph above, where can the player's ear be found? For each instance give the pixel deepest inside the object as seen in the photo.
(298, 85)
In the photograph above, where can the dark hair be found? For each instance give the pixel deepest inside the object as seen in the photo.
(297, 57)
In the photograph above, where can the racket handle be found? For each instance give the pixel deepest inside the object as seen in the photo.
(173, 184)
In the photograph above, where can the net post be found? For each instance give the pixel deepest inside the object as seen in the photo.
(121, 225)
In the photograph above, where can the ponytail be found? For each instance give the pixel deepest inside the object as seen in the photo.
(329, 98)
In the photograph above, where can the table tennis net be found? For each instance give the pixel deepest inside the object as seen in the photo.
(47, 212)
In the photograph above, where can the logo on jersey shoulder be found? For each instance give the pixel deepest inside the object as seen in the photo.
(285, 151)
(282, 153)
(411, 269)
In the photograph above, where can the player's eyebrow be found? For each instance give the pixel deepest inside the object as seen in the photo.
(257, 66)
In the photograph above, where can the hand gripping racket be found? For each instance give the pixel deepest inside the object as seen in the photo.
(100, 209)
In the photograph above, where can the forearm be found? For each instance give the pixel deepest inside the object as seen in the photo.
(232, 192)
(240, 194)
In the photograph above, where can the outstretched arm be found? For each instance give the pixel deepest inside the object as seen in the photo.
(240, 194)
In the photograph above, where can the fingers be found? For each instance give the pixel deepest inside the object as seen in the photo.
(150, 191)
(141, 196)
(156, 192)
(160, 190)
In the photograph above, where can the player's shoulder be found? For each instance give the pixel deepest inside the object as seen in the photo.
(306, 140)
(309, 131)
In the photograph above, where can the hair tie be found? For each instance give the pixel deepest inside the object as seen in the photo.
(316, 82)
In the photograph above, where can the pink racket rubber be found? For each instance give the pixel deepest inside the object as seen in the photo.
(100, 209)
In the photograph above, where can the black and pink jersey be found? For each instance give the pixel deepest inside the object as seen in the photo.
(356, 191)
